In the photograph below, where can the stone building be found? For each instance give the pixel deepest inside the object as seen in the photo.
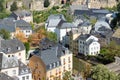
(95, 3)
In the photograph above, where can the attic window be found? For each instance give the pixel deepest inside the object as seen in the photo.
(18, 48)
(50, 66)
(8, 49)
(54, 65)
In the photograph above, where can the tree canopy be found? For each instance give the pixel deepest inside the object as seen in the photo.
(4, 34)
(100, 72)
(14, 6)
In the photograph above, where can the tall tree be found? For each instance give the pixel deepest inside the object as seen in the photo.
(27, 47)
(1, 5)
(5, 34)
(100, 72)
(14, 6)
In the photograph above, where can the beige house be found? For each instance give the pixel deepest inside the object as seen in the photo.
(51, 61)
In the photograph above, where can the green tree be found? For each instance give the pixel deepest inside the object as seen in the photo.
(14, 6)
(100, 72)
(67, 76)
(27, 47)
(5, 34)
(2, 5)
(52, 36)
(46, 3)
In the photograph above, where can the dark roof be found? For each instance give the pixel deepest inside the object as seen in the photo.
(9, 24)
(11, 46)
(22, 13)
(46, 43)
(4, 76)
(51, 55)
(91, 12)
(84, 36)
(56, 16)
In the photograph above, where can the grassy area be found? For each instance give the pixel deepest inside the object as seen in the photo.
(41, 16)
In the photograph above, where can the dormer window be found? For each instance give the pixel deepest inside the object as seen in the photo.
(50, 66)
(54, 65)
(18, 48)
(58, 63)
(8, 49)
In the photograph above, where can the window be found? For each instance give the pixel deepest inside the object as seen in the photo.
(69, 59)
(12, 55)
(8, 55)
(58, 63)
(50, 66)
(69, 66)
(54, 65)
(19, 54)
(14, 71)
(27, 77)
(64, 61)
(23, 78)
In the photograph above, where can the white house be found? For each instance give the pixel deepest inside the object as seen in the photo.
(88, 45)
(53, 21)
(22, 15)
(13, 60)
(84, 25)
(14, 68)
(13, 48)
(63, 29)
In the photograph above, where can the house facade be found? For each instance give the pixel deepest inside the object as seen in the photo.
(15, 69)
(53, 21)
(88, 45)
(51, 61)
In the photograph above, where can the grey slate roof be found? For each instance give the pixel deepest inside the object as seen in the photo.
(21, 13)
(3, 76)
(84, 36)
(92, 12)
(6, 62)
(9, 24)
(23, 25)
(11, 46)
(66, 25)
(56, 16)
(51, 55)
(23, 69)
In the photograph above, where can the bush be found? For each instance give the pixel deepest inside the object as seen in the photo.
(46, 3)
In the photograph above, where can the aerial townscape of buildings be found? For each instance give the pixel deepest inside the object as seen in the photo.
(59, 40)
